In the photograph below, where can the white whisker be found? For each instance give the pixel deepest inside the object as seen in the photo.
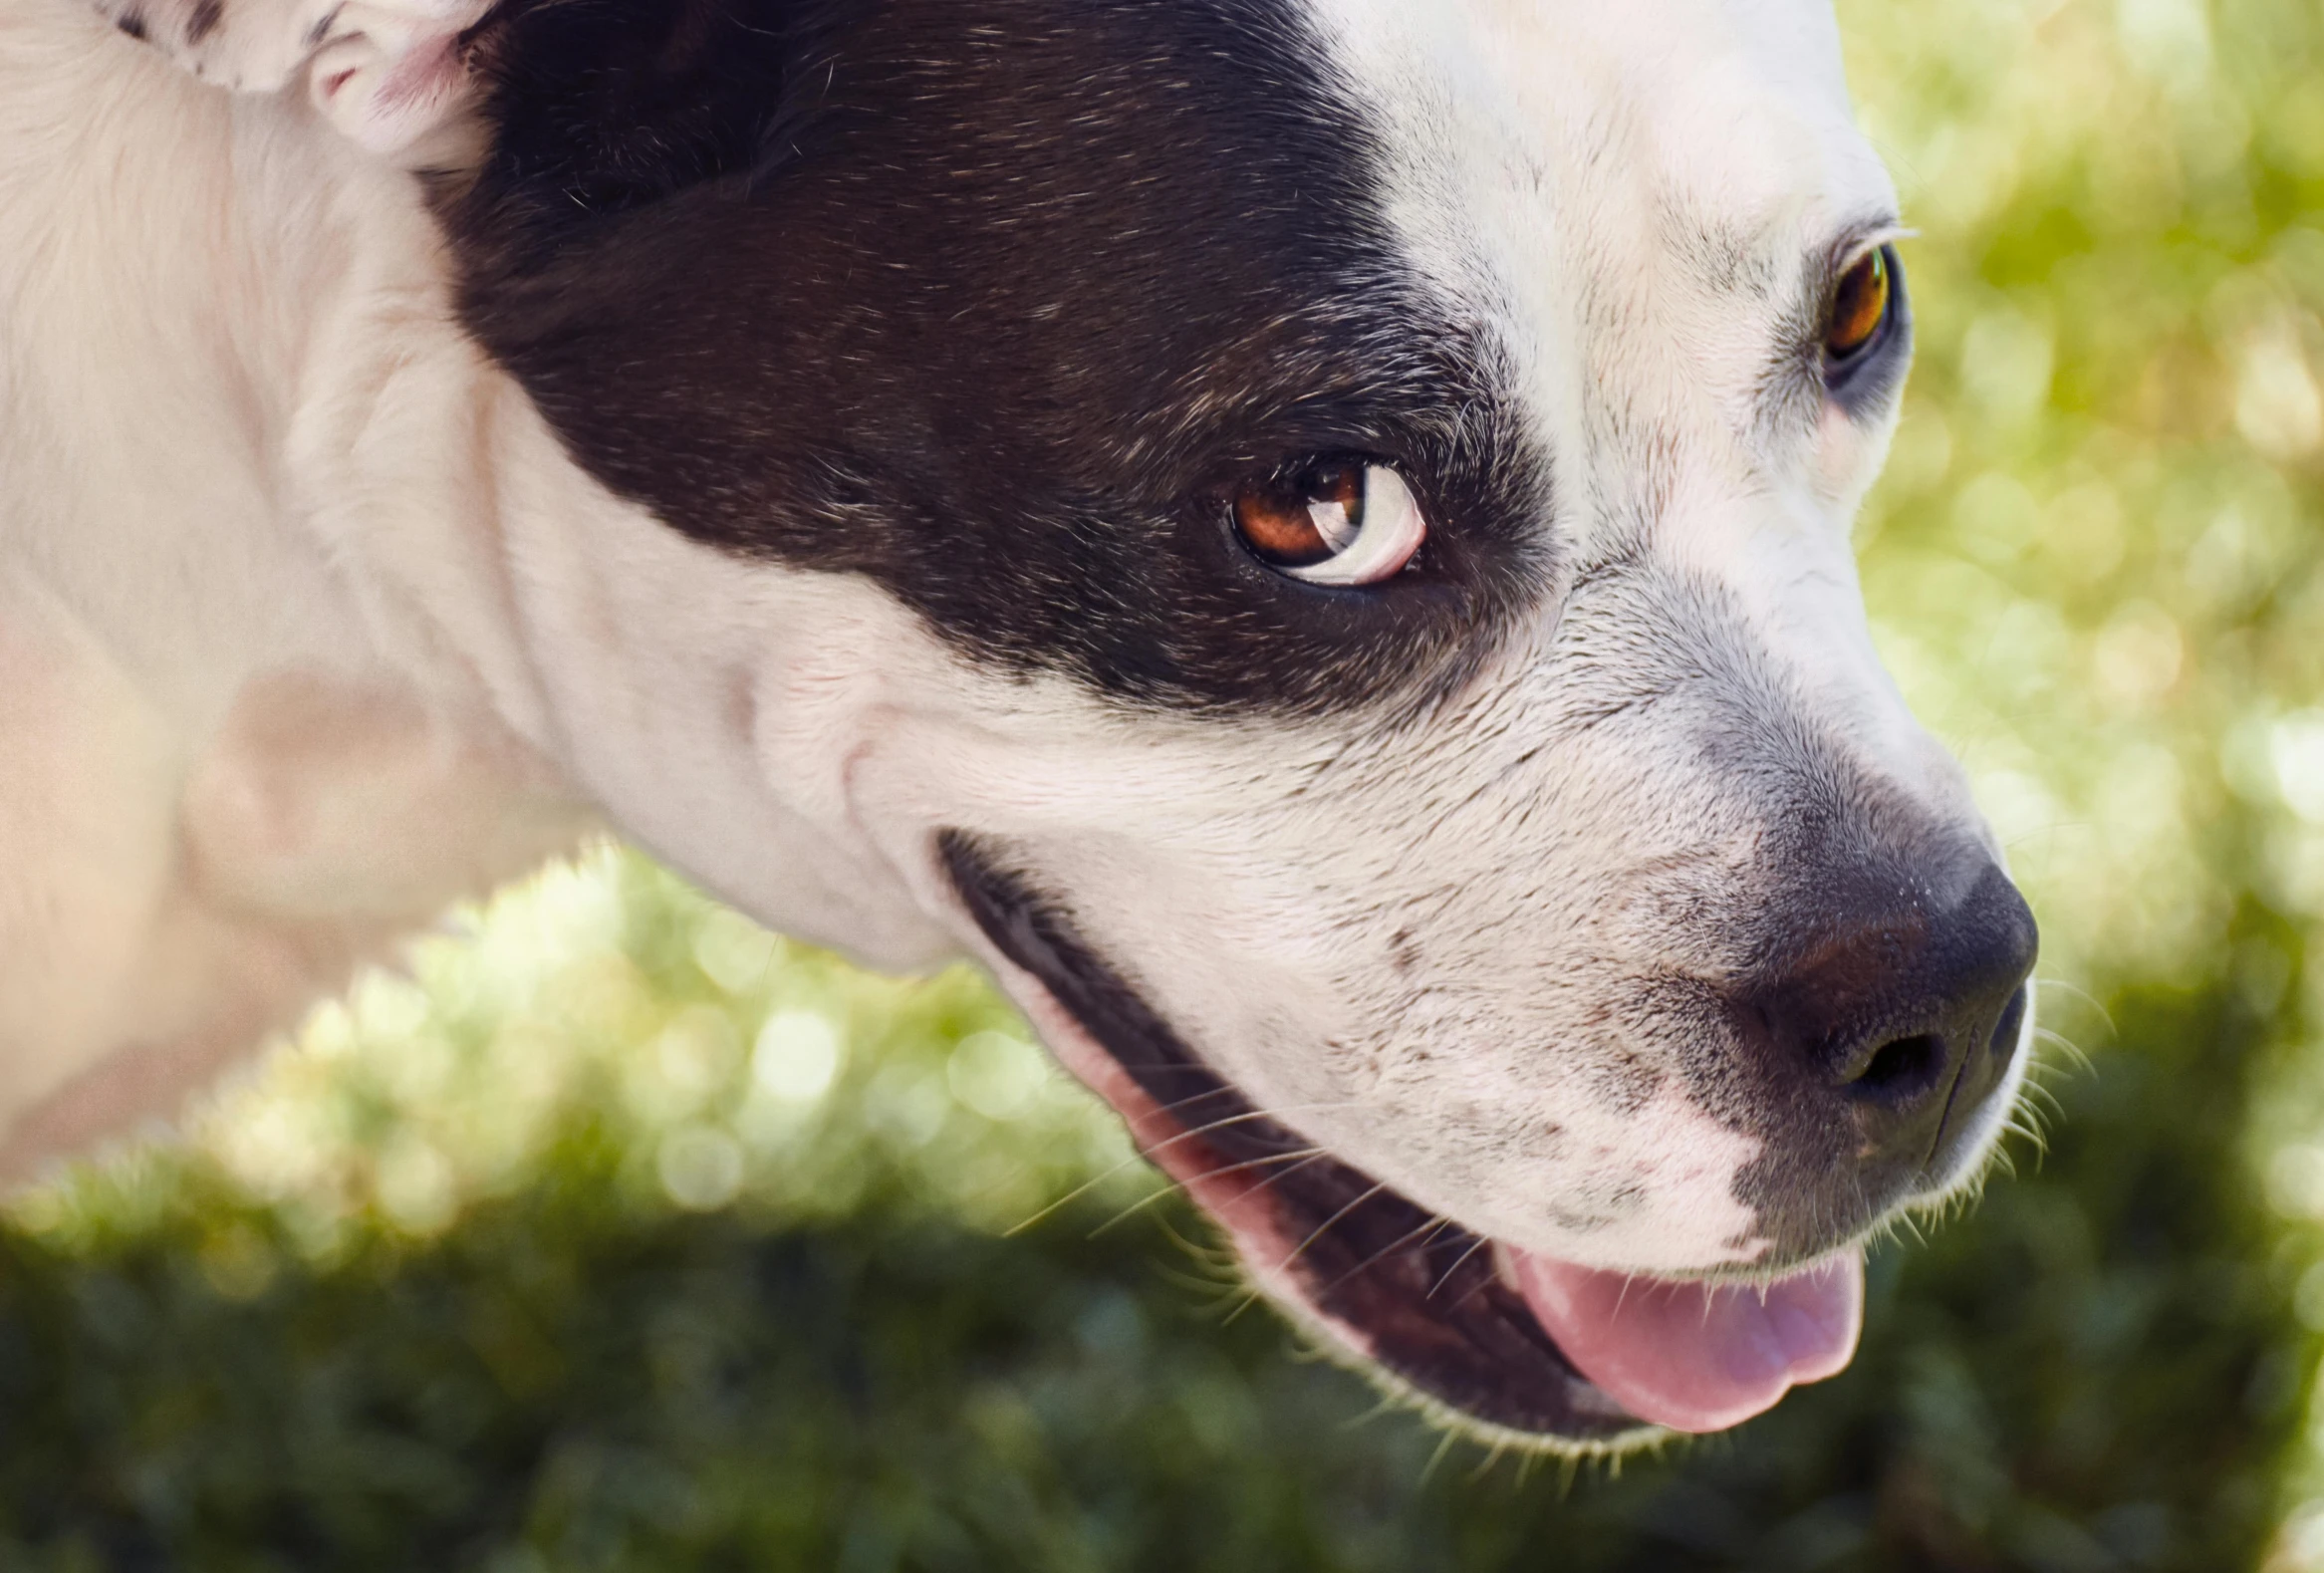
(1477, 1245)
(1323, 1228)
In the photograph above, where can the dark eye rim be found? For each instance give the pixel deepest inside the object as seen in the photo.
(1839, 372)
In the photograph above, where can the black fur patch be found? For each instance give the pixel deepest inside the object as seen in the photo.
(204, 20)
(992, 301)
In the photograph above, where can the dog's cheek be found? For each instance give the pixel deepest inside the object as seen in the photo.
(1850, 452)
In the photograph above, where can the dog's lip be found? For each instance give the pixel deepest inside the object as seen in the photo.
(1534, 1349)
(1695, 1355)
(1425, 1303)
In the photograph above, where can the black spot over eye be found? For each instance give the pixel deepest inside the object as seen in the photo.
(1333, 522)
(1863, 303)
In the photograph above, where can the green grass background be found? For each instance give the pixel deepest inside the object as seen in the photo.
(623, 1236)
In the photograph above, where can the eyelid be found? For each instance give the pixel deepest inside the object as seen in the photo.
(1861, 244)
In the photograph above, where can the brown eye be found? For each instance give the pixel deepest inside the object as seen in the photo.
(1860, 306)
(1338, 522)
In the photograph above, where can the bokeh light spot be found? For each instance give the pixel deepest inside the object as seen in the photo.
(798, 1056)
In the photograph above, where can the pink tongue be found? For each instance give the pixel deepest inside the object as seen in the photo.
(1693, 1355)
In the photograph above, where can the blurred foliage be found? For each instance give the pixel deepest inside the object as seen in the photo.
(626, 1236)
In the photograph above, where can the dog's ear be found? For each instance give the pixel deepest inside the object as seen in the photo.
(598, 110)
(391, 74)
(396, 79)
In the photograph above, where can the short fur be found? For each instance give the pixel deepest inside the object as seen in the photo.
(799, 434)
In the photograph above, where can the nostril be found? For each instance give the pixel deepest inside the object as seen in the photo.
(1901, 1069)
(1899, 1009)
(2012, 1022)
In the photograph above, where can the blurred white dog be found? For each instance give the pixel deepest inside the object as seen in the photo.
(1309, 535)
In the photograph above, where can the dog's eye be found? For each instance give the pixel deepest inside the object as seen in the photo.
(1860, 306)
(1337, 522)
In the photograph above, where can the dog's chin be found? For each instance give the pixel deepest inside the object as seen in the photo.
(1520, 1348)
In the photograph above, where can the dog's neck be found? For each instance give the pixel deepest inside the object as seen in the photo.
(311, 432)
(329, 612)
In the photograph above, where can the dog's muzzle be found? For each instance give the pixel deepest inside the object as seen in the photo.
(1876, 1046)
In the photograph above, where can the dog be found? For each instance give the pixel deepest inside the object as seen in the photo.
(1311, 537)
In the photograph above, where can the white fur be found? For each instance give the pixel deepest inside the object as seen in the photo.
(306, 624)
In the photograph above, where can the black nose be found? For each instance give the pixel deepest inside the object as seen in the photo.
(1905, 1017)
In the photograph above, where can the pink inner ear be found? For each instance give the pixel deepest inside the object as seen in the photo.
(387, 99)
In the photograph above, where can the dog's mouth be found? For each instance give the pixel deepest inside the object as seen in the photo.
(1503, 1341)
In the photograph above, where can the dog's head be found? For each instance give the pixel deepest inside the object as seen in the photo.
(1313, 536)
